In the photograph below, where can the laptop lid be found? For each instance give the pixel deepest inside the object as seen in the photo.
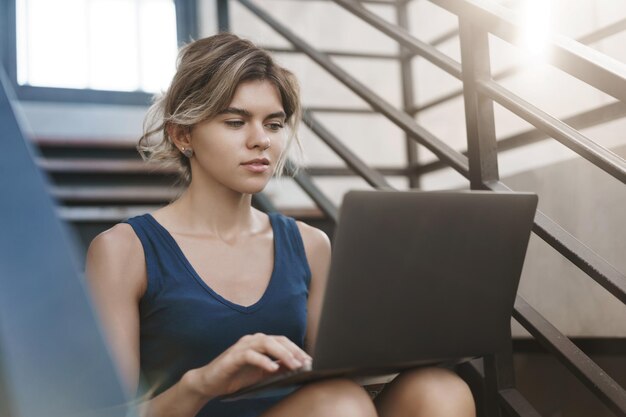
(422, 277)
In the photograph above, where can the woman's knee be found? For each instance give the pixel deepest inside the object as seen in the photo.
(438, 390)
(434, 383)
(336, 397)
(340, 395)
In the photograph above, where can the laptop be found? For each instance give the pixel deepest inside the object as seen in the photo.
(416, 279)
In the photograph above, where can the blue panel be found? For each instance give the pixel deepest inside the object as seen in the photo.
(53, 358)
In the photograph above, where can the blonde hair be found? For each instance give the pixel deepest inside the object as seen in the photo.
(208, 72)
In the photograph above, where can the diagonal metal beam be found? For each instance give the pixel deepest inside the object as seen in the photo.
(401, 119)
(587, 39)
(575, 251)
(516, 404)
(407, 40)
(583, 367)
(603, 114)
(598, 155)
(373, 177)
(588, 65)
(603, 33)
(305, 181)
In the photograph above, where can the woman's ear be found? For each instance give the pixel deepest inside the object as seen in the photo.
(180, 136)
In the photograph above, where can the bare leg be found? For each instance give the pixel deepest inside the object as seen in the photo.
(431, 392)
(332, 398)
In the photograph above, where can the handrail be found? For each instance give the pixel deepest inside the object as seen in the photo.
(306, 183)
(592, 264)
(605, 32)
(405, 122)
(598, 155)
(516, 404)
(373, 177)
(264, 203)
(408, 41)
(592, 67)
(589, 118)
(334, 171)
(330, 109)
(337, 53)
(575, 251)
(587, 39)
(576, 141)
(594, 377)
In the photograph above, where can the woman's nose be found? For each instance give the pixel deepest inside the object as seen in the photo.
(259, 139)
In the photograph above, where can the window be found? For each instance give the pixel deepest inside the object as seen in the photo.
(95, 50)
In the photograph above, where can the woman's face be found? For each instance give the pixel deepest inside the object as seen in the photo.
(240, 147)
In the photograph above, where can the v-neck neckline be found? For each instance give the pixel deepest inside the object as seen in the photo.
(179, 252)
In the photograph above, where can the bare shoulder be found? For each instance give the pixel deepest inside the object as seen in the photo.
(120, 241)
(313, 237)
(316, 242)
(116, 257)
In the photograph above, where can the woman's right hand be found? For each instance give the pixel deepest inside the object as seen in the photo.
(251, 359)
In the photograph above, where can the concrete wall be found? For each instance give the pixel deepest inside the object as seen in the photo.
(591, 206)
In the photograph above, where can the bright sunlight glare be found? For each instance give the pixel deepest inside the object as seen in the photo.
(536, 18)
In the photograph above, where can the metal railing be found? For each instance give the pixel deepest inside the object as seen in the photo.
(477, 19)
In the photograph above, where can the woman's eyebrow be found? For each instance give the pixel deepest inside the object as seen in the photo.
(235, 110)
(277, 115)
(245, 113)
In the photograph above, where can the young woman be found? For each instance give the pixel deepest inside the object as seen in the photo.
(208, 294)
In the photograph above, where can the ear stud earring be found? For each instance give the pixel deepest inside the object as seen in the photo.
(188, 152)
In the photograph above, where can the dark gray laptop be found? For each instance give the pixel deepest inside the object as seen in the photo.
(417, 278)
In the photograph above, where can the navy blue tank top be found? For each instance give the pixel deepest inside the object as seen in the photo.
(184, 324)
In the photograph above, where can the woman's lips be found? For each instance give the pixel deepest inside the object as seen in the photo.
(258, 165)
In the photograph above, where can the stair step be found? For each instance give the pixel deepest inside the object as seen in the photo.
(115, 194)
(115, 214)
(101, 166)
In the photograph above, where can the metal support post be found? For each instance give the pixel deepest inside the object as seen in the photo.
(481, 136)
(223, 16)
(483, 167)
(408, 100)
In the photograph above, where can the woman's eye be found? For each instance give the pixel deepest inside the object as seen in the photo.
(234, 123)
(274, 126)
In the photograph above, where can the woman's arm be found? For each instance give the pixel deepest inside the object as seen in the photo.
(317, 248)
(117, 275)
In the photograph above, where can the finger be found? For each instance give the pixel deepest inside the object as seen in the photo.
(254, 358)
(272, 347)
(295, 350)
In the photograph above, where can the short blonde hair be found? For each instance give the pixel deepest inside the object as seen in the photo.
(208, 72)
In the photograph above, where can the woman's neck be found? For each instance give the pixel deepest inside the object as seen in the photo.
(217, 211)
